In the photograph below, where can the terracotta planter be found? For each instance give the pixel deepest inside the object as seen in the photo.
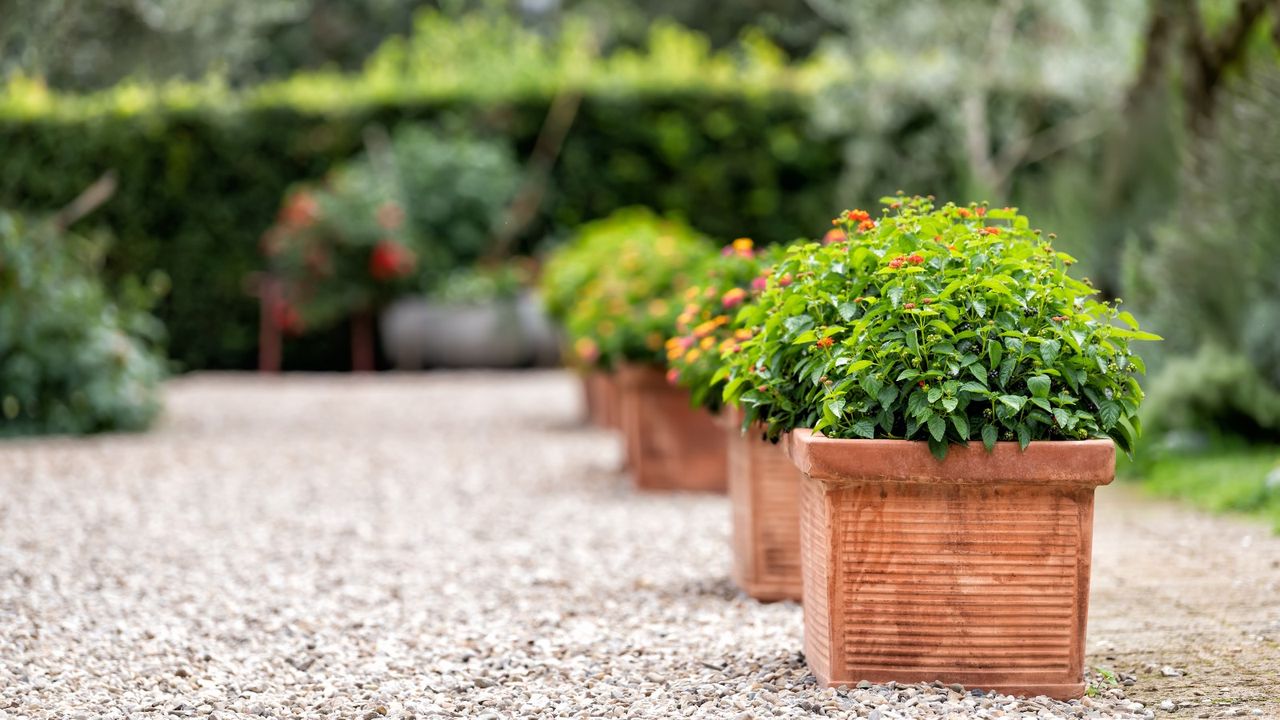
(764, 491)
(610, 401)
(974, 570)
(670, 445)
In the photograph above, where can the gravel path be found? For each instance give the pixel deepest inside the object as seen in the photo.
(457, 546)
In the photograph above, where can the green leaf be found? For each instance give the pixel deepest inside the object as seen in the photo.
(887, 395)
(1065, 419)
(895, 295)
(1014, 401)
(935, 393)
(995, 351)
(989, 436)
(1006, 370)
(847, 311)
(871, 384)
(974, 387)
(1039, 385)
(949, 403)
(1042, 403)
(1049, 351)
(1024, 435)
(836, 407)
(1109, 413)
(961, 424)
(864, 429)
(937, 427)
(938, 448)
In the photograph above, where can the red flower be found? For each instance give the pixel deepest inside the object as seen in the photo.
(673, 376)
(963, 212)
(927, 301)
(826, 342)
(390, 260)
(897, 262)
(785, 280)
(909, 306)
(915, 259)
(866, 225)
(759, 283)
(857, 215)
(300, 210)
(981, 211)
(833, 236)
(991, 230)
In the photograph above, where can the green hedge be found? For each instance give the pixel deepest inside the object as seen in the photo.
(197, 188)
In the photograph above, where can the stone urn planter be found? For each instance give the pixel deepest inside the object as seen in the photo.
(764, 493)
(670, 445)
(973, 570)
(418, 332)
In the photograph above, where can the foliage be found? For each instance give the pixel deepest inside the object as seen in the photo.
(941, 324)
(1215, 392)
(705, 329)
(1220, 479)
(72, 359)
(1210, 276)
(481, 284)
(625, 311)
(202, 169)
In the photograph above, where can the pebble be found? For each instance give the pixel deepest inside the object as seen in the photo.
(427, 546)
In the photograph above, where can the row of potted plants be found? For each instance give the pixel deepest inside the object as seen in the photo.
(919, 408)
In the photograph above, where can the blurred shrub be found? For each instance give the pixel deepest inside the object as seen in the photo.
(396, 220)
(1215, 392)
(479, 285)
(722, 139)
(627, 308)
(72, 359)
(1212, 276)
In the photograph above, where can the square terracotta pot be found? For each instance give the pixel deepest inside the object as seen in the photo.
(764, 492)
(974, 570)
(670, 444)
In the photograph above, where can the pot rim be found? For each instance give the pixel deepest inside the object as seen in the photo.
(1045, 463)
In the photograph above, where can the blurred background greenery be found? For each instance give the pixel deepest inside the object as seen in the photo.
(1142, 133)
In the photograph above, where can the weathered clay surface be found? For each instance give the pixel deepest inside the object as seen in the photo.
(974, 570)
(670, 444)
(764, 489)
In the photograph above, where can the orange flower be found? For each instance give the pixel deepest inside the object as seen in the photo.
(733, 297)
(743, 246)
(866, 225)
(857, 215)
(991, 230)
(826, 342)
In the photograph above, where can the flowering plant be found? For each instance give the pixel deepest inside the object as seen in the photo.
(623, 310)
(395, 220)
(705, 328)
(942, 324)
(340, 248)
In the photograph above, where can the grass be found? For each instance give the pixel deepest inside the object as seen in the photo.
(1219, 480)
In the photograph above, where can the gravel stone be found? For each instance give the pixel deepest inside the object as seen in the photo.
(394, 546)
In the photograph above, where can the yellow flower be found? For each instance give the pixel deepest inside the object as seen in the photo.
(693, 355)
(742, 334)
(707, 343)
